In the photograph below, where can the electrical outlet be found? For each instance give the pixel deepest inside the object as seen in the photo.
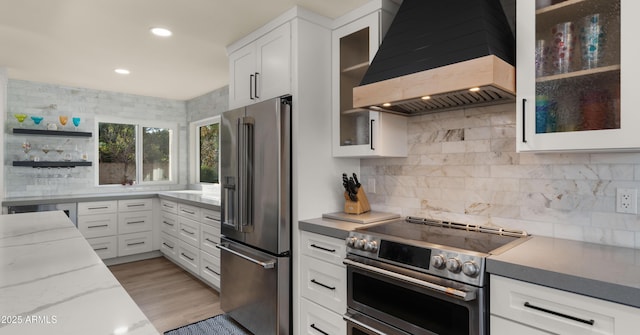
(371, 185)
(627, 200)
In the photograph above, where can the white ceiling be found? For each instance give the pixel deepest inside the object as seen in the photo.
(79, 43)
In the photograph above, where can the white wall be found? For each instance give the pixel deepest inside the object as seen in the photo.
(31, 98)
(462, 166)
(3, 116)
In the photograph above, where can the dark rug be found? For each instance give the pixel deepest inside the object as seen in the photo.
(217, 325)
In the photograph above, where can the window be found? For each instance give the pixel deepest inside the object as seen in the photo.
(134, 153)
(205, 144)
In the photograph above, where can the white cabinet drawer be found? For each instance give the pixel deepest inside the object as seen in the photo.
(210, 268)
(135, 205)
(169, 245)
(191, 212)
(189, 231)
(211, 218)
(133, 222)
(324, 283)
(209, 239)
(98, 225)
(500, 326)
(169, 206)
(558, 311)
(323, 247)
(169, 223)
(97, 207)
(105, 247)
(189, 257)
(129, 244)
(316, 320)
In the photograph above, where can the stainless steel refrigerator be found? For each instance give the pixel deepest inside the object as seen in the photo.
(255, 158)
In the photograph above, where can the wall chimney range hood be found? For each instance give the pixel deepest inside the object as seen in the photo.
(439, 55)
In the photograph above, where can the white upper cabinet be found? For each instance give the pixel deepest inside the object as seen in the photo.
(261, 70)
(576, 70)
(360, 132)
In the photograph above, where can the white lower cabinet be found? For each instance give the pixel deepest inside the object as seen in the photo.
(105, 247)
(169, 245)
(323, 285)
(98, 225)
(189, 235)
(189, 256)
(117, 228)
(319, 320)
(519, 307)
(210, 268)
(135, 243)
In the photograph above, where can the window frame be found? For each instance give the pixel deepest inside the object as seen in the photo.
(194, 148)
(139, 124)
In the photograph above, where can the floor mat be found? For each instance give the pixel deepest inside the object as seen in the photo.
(217, 325)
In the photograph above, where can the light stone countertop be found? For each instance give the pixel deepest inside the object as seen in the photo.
(196, 198)
(596, 270)
(52, 282)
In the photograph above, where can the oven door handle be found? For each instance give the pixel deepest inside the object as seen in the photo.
(466, 296)
(360, 324)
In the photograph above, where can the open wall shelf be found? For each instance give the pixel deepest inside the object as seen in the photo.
(65, 133)
(51, 164)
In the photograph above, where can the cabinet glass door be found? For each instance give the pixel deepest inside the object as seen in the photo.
(577, 65)
(354, 62)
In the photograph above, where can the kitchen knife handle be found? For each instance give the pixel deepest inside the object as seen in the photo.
(251, 87)
(524, 128)
(371, 135)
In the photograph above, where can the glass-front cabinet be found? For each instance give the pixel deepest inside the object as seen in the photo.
(576, 75)
(361, 132)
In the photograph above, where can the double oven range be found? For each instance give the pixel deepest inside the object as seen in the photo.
(421, 277)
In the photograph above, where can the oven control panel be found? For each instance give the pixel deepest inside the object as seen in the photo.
(467, 267)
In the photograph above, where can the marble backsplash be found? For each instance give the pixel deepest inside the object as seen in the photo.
(462, 166)
(34, 99)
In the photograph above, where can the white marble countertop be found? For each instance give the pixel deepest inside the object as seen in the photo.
(52, 282)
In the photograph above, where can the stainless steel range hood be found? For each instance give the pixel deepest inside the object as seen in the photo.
(440, 55)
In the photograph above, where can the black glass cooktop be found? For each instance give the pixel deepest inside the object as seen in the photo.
(443, 234)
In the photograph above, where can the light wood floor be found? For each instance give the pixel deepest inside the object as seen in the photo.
(169, 296)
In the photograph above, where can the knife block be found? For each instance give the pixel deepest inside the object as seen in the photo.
(356, 207)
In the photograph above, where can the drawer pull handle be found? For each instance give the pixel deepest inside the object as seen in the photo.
(210, 241)
(323, 248)
(100, 249)
(101, 207)
(211, 270)
(188, 212)
(134, 222)
(98, 226)
(135, 205)
(589, 322)
(188, 232)
(168, 246)
(313, 325)
(213, 219)
(323, 285)
(168, 206)
(191, 259)
(132, 244)
(168, 223)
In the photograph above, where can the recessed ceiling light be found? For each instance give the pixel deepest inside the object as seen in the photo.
(474, 89)
(162, 32)
(426, 97)
(386, 104)
(122, 71)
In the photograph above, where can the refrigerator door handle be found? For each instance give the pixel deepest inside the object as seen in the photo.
(245, 164)
(266, 265)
